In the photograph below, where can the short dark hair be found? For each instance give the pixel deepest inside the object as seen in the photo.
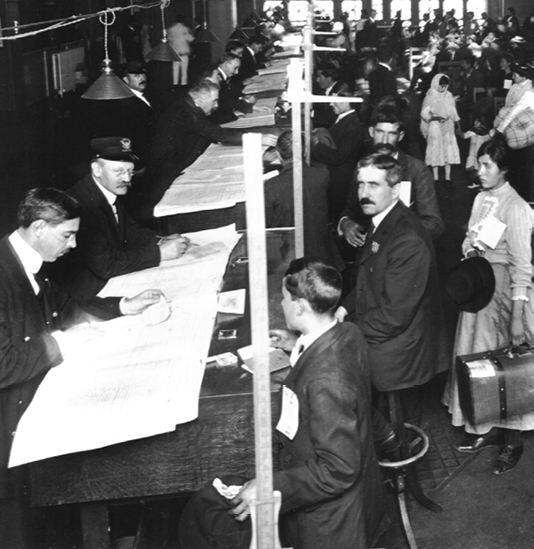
(387, 114)
(50, 205)
(508, 57)
(316, 281)
(383, 162)
(329, 70)
(497, 149)
(257, 39)
(232, 45)
(385, 54)
(284, 145)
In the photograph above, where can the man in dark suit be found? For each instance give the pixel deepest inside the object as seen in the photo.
(249, 60)
(332, 493)
(341, 158)
(387, 128)
(110, 242)
(33, 312)
(396, 300)
(182, 134)
(280, 209)
(328, 82)
(230, 97)
(382, 80)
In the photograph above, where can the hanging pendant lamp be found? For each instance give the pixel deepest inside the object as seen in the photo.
(163, 51)
(238, 34)
(205, 35)
(108, 85)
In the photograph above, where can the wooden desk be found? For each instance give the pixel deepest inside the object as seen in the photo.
(220, 440)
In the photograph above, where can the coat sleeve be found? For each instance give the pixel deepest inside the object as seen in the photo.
(334, 432)
(26, 350)
(426, 200)
(96, 248)
(350, 141)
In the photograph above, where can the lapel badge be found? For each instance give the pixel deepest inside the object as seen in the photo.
(375, 247)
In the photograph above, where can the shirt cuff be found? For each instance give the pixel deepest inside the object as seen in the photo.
(120, 306)
(519, 293)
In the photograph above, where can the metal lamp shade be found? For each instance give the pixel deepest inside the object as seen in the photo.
(163, 52)
(108, 86)
(205, 35)
(238, 34)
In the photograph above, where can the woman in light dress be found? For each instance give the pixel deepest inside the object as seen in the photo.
(439, 119)
(507, 319)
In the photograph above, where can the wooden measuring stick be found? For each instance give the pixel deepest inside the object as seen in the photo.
(257, 251)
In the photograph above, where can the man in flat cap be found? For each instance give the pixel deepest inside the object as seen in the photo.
(110, 242)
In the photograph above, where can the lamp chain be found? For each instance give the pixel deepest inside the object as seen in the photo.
(164, 4)
(103, 18)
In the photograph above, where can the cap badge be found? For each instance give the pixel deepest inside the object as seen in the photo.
(126, 145)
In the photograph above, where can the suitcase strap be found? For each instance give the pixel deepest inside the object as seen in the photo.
(501, 384)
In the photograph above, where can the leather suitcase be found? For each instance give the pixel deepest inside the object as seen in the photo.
(496, 385)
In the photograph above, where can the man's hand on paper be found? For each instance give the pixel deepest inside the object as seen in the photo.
(136, 305)
(173, 246)
(352, 233)
(243, 501)
(251, 99)
(282, 339)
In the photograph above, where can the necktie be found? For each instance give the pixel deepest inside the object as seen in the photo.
(115, 212)
(295, 354)
(44, 297)
(370, 231)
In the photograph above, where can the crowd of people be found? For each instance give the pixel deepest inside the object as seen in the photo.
(369, 200)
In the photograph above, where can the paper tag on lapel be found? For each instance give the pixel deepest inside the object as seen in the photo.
(288, 423)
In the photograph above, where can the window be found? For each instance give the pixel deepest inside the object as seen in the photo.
(353, 8)
(404, 7)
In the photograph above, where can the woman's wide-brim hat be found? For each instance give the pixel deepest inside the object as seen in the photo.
(471, 284)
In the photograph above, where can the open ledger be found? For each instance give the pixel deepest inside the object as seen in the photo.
(135, 376)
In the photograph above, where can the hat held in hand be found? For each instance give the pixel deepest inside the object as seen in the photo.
(471, 284)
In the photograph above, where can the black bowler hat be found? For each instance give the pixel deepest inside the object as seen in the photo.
(113, 148)
(134, 67)
(471, 284)
(206, 522)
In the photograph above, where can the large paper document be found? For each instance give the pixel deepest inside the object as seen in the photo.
(133, 378)
(214, 181)
(266, 83)
(263, 115)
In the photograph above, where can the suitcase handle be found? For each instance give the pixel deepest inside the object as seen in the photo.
(519, 350)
